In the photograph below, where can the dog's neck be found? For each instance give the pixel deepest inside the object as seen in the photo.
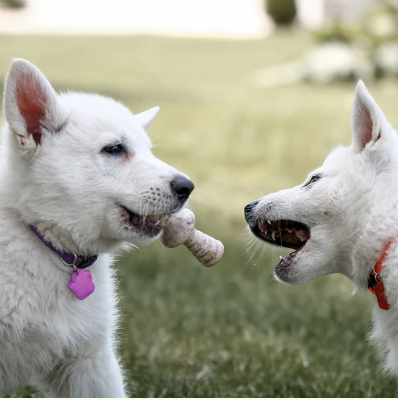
(60, 238)
(375, 232)
(69, 259)
(67, 241)
(64, 238)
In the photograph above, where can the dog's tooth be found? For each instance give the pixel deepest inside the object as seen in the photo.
(280, 257)
(269, 223)
(273, 235)
(302, 235)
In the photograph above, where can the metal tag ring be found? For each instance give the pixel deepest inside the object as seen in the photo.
(70, 265)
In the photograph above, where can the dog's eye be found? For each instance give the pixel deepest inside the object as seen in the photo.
(115, 149)
(313, 179)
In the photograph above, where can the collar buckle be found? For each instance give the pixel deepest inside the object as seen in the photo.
(73, 264)
(375, 281)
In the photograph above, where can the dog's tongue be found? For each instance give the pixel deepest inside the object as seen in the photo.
(152, 219)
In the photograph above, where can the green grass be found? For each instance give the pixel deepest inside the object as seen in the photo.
(230, 330)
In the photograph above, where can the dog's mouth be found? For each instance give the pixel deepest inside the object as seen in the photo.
(284, 233)
(149, 225)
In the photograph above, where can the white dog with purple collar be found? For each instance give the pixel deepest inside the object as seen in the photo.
(77, 181)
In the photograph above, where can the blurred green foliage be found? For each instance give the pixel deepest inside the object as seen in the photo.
(228, 331)
(377, 26)
(13, 3)
(283, 12)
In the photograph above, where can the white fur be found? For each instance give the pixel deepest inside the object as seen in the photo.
(71, 190)
(352, 212)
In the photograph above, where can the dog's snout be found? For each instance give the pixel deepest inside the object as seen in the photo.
(249, 209)
(182, 186)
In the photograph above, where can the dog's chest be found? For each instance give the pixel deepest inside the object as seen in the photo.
(41, 319)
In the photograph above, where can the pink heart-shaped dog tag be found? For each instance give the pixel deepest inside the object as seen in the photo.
(81, 284)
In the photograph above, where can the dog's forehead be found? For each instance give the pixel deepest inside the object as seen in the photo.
(339, 159)
(98, 115)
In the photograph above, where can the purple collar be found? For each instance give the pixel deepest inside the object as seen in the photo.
(69, 259)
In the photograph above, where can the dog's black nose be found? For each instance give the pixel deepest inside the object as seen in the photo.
(182, 186)
(249, 209)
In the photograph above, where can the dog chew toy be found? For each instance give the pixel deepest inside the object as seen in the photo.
(179, 228)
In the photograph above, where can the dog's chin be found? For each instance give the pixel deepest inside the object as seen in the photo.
(286, 271)
(305, 265)
(290, 272)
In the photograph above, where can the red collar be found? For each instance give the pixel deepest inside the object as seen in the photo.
(375, 283)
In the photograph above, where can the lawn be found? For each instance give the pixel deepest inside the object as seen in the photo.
(229, 331)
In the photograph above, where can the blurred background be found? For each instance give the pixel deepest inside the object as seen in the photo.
(253, 95)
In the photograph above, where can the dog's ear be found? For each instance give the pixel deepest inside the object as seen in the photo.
(147, 117)
(367, 119)
(30, 104)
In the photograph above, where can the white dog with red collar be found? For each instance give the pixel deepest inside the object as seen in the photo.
(344, 219)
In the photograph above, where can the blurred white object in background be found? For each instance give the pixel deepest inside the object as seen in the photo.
(322, 64)
(313, 13)
(204, 18)
(386, 57)
(310, 13)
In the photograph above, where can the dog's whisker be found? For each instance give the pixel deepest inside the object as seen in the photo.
(260, 255)
(256, 248)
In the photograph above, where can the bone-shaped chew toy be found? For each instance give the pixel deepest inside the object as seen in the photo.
(179, 228)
